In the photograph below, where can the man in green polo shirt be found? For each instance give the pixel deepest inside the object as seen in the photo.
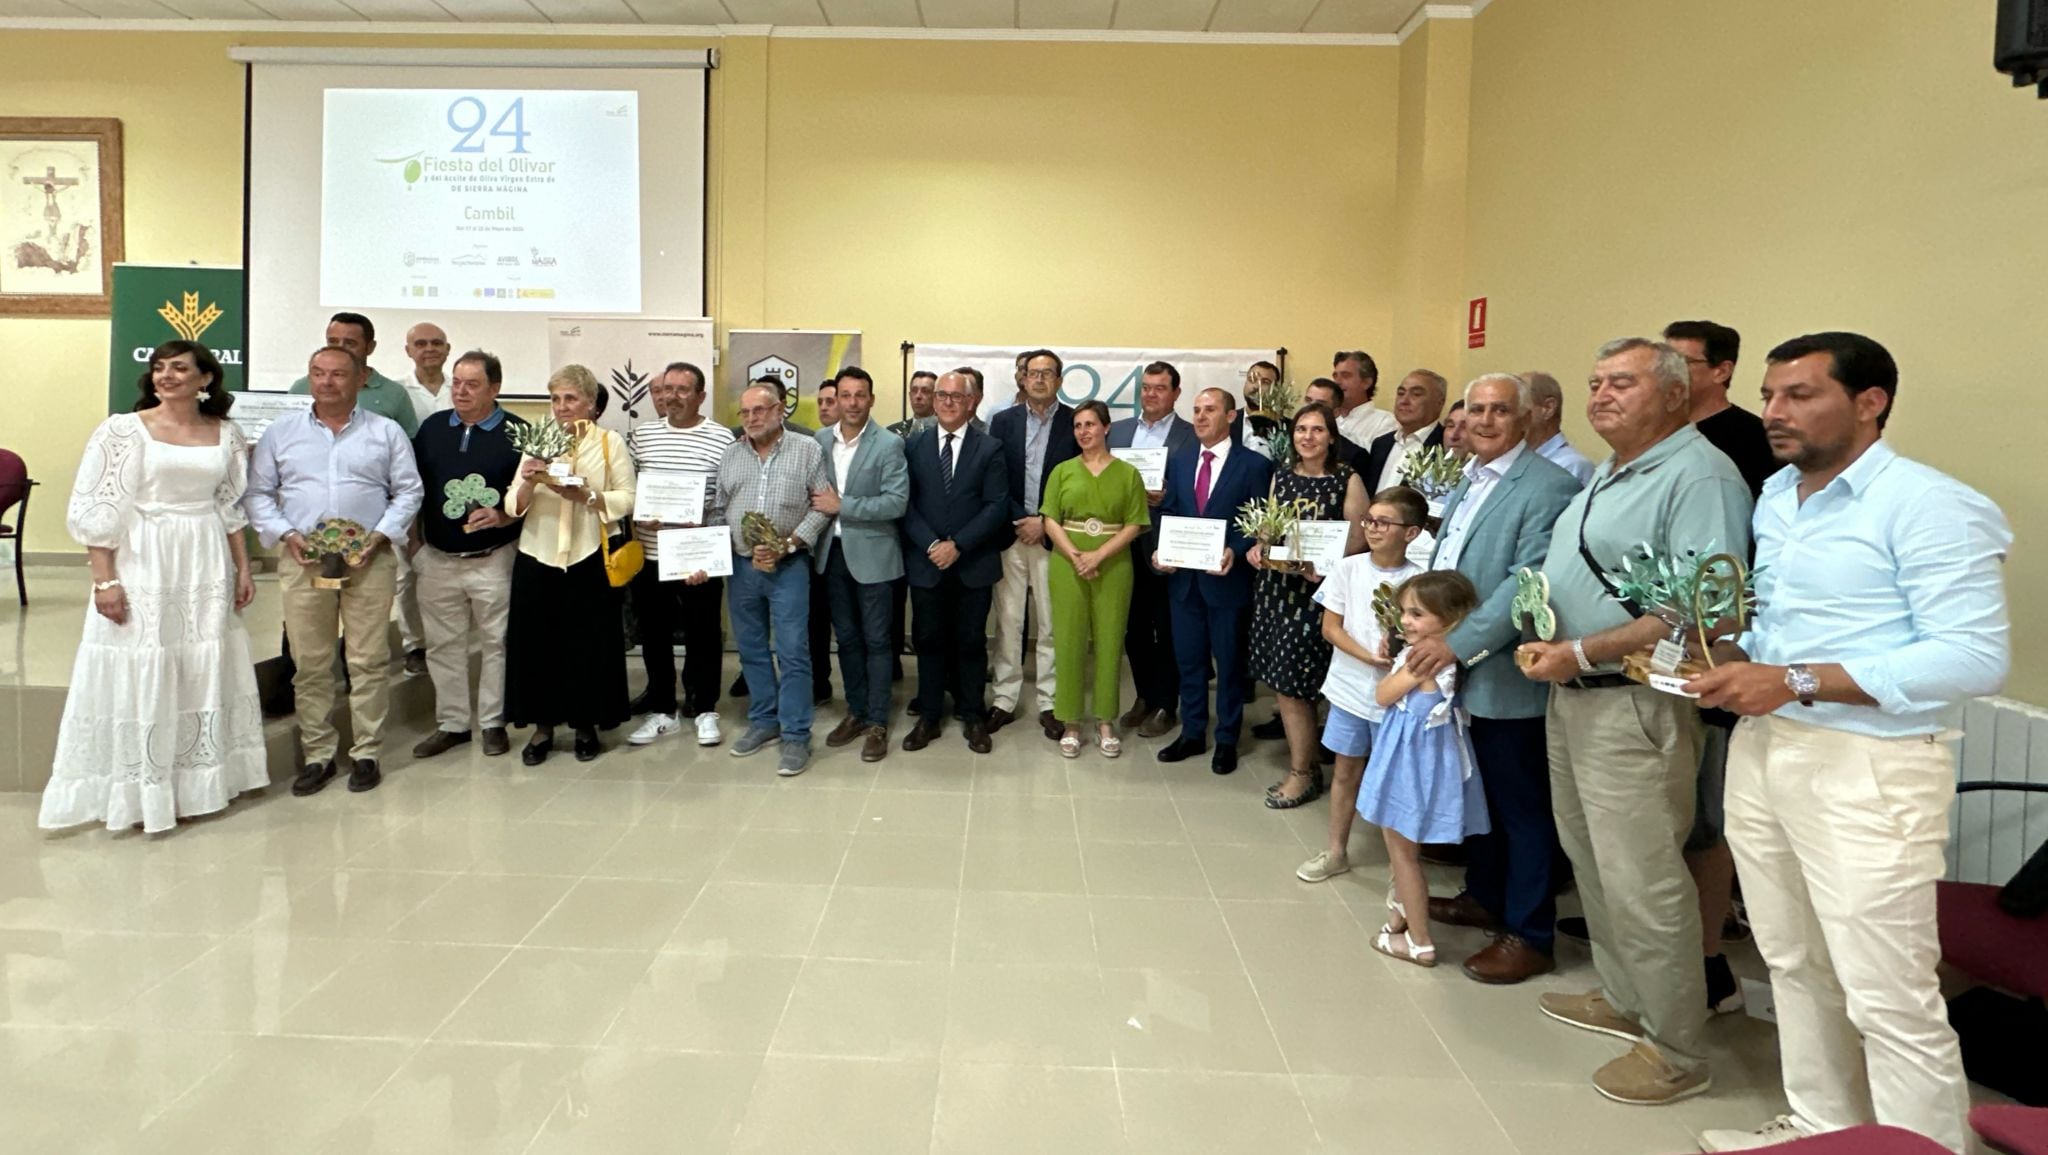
(1623, 756)
(381, 395)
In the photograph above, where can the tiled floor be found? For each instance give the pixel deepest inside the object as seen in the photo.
(668, 950)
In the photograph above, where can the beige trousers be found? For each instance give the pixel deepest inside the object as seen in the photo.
(465, 598)
(313, 619)
(1623, 763)
(411, 630)
(1839, 839)
(1024, 585)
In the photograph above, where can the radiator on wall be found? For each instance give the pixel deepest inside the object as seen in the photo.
(1991, 832)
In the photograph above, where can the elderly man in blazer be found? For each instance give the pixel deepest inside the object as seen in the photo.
(1497, 522)
(1036, 435)
(954, 534)
(1148, 637)
(860, 555)
(1418, 425)
(1211, 479)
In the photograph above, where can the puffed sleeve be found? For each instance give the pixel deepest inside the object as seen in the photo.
(109, 477)
(227, 496)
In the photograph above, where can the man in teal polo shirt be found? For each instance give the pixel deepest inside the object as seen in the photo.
(381, 395)
(1624, 757)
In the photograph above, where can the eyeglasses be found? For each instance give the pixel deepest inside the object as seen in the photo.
(942, 395)
(1040, 375)
(1382, 524)
(759, 410)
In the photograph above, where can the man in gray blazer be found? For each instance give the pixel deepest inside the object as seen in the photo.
(1148, 636)
(861, 555)
(1496, 522)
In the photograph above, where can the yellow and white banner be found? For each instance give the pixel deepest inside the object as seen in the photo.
(1109, 375)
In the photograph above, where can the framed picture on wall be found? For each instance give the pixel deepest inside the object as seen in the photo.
(60, 214)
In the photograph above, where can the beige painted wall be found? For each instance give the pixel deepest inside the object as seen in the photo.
(1782, 168)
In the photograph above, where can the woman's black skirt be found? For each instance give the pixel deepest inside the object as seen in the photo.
(565, 647)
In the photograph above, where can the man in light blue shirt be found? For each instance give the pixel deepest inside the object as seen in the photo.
(379, 394)
(337, 461)
(1546, 432)
(1882, 611)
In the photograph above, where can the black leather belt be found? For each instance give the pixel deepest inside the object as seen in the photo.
(1602, 682)
(475, 553)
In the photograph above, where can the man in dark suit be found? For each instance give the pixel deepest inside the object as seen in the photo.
(1418, 413)
(1035, 436)
(1211, 479)
(954, 533)
(1148, 638)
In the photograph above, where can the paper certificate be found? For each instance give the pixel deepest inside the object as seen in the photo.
(1150, 463)
(1322, 545)
(1191, 542)
(673, 497)
(255, 412)
(682, 552)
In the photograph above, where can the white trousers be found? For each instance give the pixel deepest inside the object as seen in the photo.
(464, 598)
(412, 633)
(1839, 840)
(1023, 585)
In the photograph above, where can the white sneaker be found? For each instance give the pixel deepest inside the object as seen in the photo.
(708, 733)
(1783, 1129)
(653, 728)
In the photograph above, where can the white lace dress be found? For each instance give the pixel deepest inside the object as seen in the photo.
(162, 720)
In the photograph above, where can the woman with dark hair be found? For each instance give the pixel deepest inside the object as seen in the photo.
(1093, 506)
(162, 720)
(1288, 652)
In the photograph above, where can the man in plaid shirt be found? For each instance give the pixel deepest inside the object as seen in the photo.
(771, 473)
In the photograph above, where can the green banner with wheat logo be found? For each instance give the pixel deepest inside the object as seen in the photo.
(158, 303)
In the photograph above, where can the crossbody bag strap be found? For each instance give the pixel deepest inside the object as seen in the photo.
(1593, 564)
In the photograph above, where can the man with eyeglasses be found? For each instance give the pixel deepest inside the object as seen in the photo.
(1495, 524)
(1623, 756)
(1035, 436)
(1710, 351)
(954, 533)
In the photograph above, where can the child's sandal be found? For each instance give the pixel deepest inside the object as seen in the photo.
(1408, 951)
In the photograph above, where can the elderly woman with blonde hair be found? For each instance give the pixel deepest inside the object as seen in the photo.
(565, 645)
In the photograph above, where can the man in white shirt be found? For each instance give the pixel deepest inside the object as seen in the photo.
(1358, 376)
(1418, 406)
(1546, 419)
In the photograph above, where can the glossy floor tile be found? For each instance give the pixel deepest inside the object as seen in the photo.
(670, 949)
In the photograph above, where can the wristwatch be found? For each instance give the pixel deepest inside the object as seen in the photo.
(103, 587)
(1801, 681)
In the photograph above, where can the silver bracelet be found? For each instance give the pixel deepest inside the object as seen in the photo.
(109, 584)
(1579, 652)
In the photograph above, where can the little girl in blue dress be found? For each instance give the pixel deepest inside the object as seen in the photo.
(1421, 784)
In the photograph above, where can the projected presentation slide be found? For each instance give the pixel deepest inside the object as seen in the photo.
(482, 199)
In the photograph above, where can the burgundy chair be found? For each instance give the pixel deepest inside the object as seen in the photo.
(1871, 1139)
(14, 487)
(2012, 1130)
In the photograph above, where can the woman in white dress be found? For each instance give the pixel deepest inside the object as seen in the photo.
(162, 721)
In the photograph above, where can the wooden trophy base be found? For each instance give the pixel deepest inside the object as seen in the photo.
(1637, 667)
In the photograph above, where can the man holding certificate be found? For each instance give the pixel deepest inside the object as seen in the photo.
(677, 456)
(1146, 441)
(1208, 583)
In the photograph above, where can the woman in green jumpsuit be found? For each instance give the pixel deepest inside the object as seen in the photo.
(1093, 506)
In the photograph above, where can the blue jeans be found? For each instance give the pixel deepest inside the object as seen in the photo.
(756, 602)
(862, 618)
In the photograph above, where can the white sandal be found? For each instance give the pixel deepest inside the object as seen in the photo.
(1410, 952)
(1110, 745)
(1070, 745)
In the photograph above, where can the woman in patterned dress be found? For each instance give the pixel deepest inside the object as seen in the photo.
(1288, 652)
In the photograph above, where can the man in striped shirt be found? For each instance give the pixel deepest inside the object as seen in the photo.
(683, 441)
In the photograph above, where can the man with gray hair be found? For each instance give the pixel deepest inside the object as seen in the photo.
(1497, 523)
(1418, 412)
(1623, 756)
(1546, 426)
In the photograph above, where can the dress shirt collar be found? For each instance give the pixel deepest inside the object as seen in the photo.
(1655, 455)
(1556, 441)
(1222, 451)
(1161, 426)
(313, 419)
(839, 435)
(496, 419)
(1417, 438)
(1858, 478)
(1498, 467)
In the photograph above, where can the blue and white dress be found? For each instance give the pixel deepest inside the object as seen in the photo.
(1421, 781)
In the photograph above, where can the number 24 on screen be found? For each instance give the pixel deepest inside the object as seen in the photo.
(467, 114)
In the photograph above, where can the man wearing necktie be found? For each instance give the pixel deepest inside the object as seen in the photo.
(1211, 479)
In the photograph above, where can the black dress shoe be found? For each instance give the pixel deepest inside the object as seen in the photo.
(1051, 725)
(365, 776)
(915, 708)
(537, 750)
(920, 735)
(999, 718)
(1272, 727)
(496, 741)
(439, 742)
(1182, 748)
(1224, 761)
(977, 736)
(312, 778)
(586, 744)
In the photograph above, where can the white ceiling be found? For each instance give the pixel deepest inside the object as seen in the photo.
(1341, 17)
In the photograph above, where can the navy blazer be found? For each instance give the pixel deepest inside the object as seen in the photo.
(1007, 427)
(1245, 475)
(1383, 448)
(975, 515)
(1179, 435)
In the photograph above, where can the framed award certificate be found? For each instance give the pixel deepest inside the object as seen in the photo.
(1322, 545)
(1150, 463)
(683, 552)
(1191, 542)
(673, 498)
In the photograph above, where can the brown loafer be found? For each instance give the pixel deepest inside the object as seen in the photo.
(876, 746)
(496, 741)
(1134, 715)
(846, 731)
(977, 737)
(439, 742)
(921, 735)
(1158, 723)
(1508, 959)
(1051, 725)
(999, 718)
(1463, 910)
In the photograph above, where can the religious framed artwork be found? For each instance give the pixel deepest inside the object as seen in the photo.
(60, 215)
